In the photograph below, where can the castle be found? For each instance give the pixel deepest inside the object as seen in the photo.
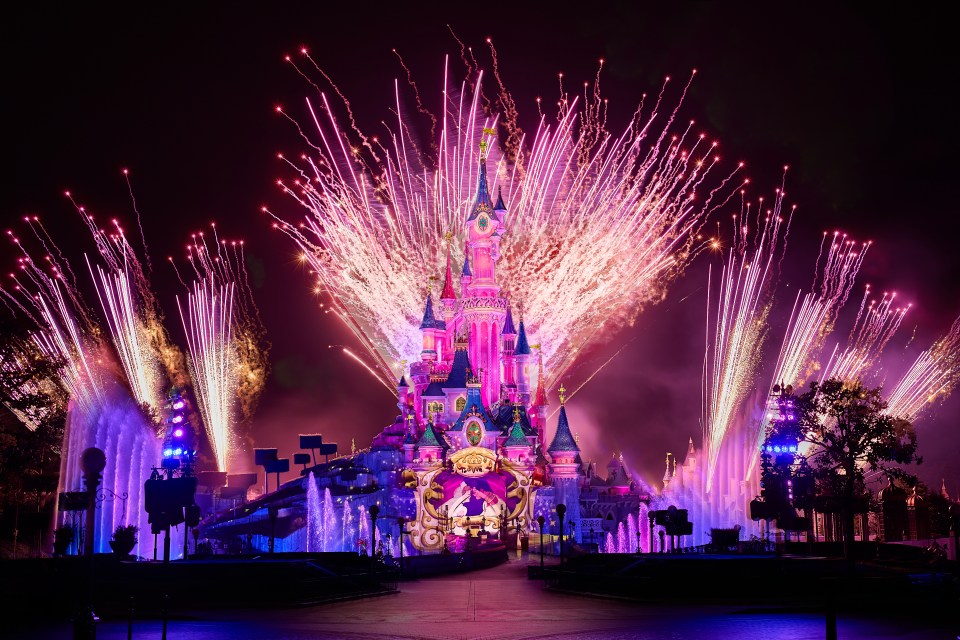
(470, 455)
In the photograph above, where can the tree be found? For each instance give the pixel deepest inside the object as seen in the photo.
(850, 433)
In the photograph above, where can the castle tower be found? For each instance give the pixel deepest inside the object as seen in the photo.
(563, 449)
(448, 298)
(524, 357)
(509, 336)
(484, 311)
(539, 408)
(428, 328)
(516, 447)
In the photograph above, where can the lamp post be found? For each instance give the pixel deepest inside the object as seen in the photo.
(540, 521)
(374, 512)
(561, 510)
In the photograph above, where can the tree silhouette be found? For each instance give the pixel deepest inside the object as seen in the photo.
(849, 433)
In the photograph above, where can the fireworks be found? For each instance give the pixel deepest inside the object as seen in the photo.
(931, 378)
(735, 336)
(598, 223)
(813, 322)
(875, 324)
(228, 360)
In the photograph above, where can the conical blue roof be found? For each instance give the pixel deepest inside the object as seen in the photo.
(429, 320)
(563, 440)
(499, 206)
(458, 371)
(523, 347)
(403, 382)
(483, 202)
(466, 265)
(508, 328)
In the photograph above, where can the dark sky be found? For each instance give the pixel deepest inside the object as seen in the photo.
(857, 102)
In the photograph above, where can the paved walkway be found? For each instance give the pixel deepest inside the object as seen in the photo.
(501, 603)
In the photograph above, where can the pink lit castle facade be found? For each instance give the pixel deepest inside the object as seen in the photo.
(470, 458)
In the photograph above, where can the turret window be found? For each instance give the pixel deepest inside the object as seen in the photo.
(434, 408)
(461, 404)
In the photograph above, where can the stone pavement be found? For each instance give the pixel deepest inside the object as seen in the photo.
(501, 603)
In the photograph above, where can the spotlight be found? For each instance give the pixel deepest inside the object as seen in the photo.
(177, 419)
(179, 404)
(178, 433)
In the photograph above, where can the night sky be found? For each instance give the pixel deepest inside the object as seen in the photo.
(857, 103)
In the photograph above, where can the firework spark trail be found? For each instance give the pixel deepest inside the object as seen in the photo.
(19, 382)
(373, 238)
(208, 324)
(226, 340)
(813, 321)
(132, 343)
(736, 334)
(875, 324)
(931, 377)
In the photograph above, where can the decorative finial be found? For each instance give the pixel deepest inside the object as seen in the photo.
(448, 235)
(516, 412)
(563, 394)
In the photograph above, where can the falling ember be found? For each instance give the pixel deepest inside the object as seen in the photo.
(736, 333)
(931, 377)
(225, 341)
(599, 223)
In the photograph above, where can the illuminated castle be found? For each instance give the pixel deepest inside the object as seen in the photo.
(467, 459)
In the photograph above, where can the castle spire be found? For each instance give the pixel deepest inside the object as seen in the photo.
(448, 293)
(563, 440)
(483, 202)
(466, 273)
(540, 399)
(429, 320)
(499, 206)
(508, 328)
(523, 347)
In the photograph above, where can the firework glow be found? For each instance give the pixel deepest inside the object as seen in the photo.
(382, 214)
(225, 341)
(930, 379)
(737, 329)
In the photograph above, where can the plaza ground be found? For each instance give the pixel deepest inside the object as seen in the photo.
(502, 603)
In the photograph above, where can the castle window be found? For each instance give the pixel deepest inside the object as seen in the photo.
(434, 408)
(461, 403)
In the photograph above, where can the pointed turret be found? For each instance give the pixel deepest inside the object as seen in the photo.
(508, 328)
(563, 440)
(516, 438)
(564, 449)
(540, 400)
(500, 207)
(466, 273)
(483, 202)
(448, 293)
(429, 320)
(523, 347)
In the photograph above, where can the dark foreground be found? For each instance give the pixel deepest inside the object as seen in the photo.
(501, 602)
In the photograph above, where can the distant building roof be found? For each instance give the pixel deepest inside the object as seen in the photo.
(523, 347)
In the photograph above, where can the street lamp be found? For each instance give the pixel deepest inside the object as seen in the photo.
(540, 521)
(374, 512)
(561, 510)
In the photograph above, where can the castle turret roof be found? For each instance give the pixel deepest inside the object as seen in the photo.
(563, 440)
(448, 293)
(466, 273)
(523, 347)
(499, 206)
(482, 202)
(516, 437)
(508, 328)
(429, 437)
(459, 371)
(429, 320)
